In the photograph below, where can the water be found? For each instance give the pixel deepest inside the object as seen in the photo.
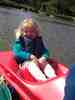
(59, 37)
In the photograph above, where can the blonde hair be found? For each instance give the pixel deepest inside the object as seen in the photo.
(27, 23)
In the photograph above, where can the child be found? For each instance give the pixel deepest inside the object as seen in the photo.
(29, 46)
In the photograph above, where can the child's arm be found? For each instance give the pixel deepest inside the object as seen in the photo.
(17, 49)
(45, 54)
(44, 51)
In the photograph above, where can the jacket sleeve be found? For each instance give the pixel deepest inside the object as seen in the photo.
(45, 53)
(44, 50)
(17, 49)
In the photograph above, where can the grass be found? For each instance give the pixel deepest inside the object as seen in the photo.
(4, 45)
(15, 5)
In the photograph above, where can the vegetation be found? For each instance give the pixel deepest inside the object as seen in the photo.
(49, 7)
(15, 4)
(4, 45)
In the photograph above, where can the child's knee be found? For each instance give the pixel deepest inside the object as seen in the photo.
(49, 71)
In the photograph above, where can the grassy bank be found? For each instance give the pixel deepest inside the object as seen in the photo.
(26, 7)
(12, 4)
(4, 45)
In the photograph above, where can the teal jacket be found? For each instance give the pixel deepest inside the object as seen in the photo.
(24, 47)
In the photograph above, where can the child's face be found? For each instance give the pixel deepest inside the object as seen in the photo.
(31, 32)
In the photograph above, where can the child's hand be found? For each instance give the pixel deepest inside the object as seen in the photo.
(42, 59)
(34, 59)
(18, 34)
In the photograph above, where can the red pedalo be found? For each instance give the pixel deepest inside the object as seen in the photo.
(27, 86)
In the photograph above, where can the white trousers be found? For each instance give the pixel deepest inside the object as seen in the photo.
(37, 73)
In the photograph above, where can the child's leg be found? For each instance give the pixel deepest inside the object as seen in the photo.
(34, 70)
(49, 71)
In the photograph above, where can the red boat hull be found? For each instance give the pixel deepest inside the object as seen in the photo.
(27, 86)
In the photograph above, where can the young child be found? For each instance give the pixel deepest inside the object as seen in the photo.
(29, 48)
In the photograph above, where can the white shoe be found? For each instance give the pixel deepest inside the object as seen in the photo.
(35, 71)
(49, 71)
